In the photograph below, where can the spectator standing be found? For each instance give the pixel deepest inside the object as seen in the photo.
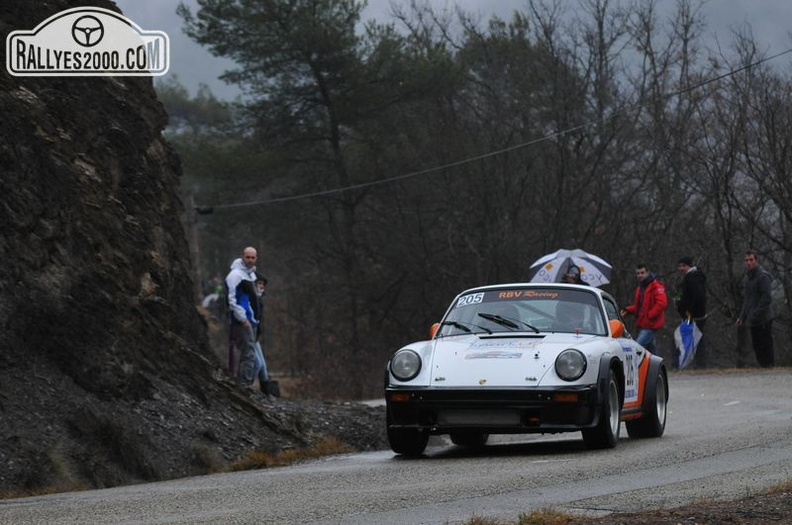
(648, 307)
(692, 303)
(244, 312)
(757, 311)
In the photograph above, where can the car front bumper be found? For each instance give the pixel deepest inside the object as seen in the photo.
(495, 411)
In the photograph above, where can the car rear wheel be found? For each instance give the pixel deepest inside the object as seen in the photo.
(656, 410)
(606, 433)
(470, 438)
(407, 441)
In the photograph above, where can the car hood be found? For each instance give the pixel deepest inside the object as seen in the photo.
(519, 361)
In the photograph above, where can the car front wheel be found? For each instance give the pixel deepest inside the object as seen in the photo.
(606, 433)
(407, 441)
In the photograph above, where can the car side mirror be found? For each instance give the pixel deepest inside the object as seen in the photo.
(433, 330)
(616, 328)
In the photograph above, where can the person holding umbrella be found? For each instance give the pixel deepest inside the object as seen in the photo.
(575, 266)
(572, 276)
(648, 307)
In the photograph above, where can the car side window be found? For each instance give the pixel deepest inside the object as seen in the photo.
(613, 313)
(610, 309)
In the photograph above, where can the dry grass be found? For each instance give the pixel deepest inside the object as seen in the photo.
(51, 474)
(480, 520)
(206, 459)
(543, 516)
(783, 487)
(41, 491)
(324, 447)
(62, 479)
(771, 505)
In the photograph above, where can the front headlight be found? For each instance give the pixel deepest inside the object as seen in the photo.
(405, 365)
(570, 364)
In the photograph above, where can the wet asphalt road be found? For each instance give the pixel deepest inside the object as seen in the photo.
(727, 435)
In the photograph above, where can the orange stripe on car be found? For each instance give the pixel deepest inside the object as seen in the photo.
(643, 373)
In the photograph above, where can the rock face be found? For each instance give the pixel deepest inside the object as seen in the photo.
(106, 376)
(95, 253)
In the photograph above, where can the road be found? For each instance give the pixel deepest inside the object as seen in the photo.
(727, 435)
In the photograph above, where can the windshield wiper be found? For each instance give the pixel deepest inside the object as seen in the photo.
(505, 321)
(532, 327)
(463, 327)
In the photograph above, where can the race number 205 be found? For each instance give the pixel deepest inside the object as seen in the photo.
(473, 298)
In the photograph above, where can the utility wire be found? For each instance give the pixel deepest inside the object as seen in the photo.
(397, 177)
(204, 210)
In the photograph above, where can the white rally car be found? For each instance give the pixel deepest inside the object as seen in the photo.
(525, 358)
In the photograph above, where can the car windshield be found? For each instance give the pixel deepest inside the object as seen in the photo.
(533, 310)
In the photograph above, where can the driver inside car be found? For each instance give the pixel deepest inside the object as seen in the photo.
(569, 317)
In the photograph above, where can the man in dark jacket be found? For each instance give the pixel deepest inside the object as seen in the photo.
(648, 307)
(757, 310)
(692, 303)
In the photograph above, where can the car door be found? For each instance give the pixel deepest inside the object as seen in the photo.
(632, 355)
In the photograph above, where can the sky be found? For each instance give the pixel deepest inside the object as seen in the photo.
(193, 64)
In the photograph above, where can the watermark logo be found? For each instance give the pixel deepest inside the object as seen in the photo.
(88, 30)
(87, 41)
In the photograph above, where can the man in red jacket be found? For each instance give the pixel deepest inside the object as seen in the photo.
(648, 307)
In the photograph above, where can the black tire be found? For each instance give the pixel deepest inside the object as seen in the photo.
(652, 425)
(407, 441)
(469, 438)
(606, 433)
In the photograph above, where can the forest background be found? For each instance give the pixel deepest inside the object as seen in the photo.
(382, 167)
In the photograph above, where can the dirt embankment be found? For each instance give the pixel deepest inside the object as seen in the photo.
(106, 376)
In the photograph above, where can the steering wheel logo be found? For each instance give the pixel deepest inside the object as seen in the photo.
(87, 31)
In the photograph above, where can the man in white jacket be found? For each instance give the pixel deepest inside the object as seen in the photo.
(244, 311)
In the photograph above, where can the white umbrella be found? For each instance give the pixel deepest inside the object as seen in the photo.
(552, 267)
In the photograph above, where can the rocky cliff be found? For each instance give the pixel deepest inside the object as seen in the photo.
(106, 376)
